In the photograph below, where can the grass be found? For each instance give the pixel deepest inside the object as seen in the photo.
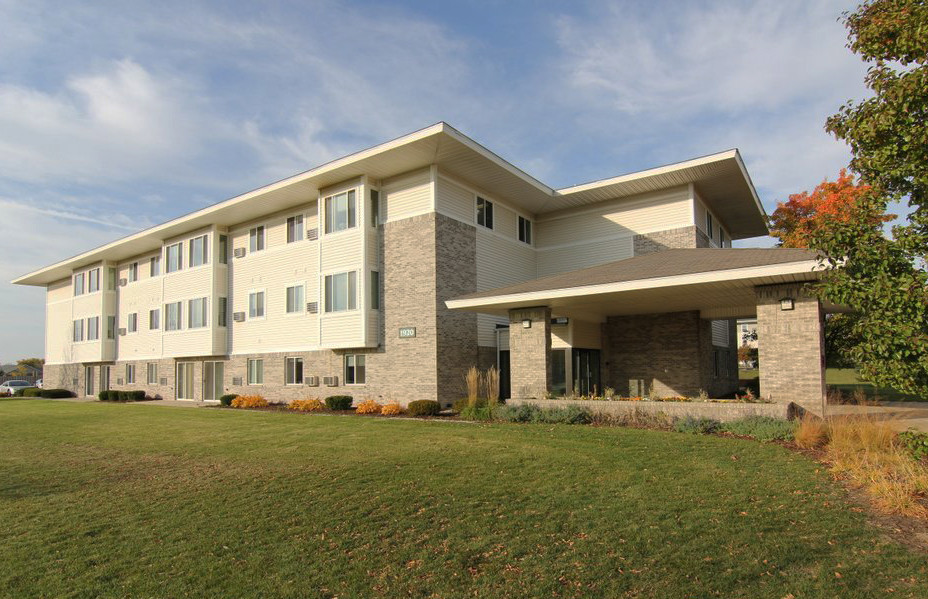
(130, 500)
(847, 380)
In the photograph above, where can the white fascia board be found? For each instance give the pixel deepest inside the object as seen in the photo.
(717, 276)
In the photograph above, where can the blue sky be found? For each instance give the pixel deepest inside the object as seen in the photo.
(115, 116)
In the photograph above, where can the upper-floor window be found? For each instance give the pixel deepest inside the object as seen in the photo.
(223, 249)
(375, 207)
(484, 213)
(132, 325)
(172, 316)
(79, 284)
(133, 272)
(709, 228)
(256, 239)
(93, 280)
(78, 330)
(341, 292)
(111, 278)
(199, 253)
(375, 290)
(174, 254)
(93, 328)
(154, 266)
(256, 304)
(197, 313)
(525, 230)
(154, 319)
(295, 228)
(223, 311)
(295, 295)
(340, 212)
(110, 327)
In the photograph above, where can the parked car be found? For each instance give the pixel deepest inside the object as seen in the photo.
(38, 384)
(11, 387)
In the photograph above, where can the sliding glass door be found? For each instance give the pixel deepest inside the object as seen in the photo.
(185, 380)
(212, 380)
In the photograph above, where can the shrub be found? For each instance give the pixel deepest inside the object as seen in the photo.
(306, 405)
(915, 443)
(103, 395)
(762, 428)
(423, 407)
(392, 409)
(56, 393)
(338, 402)
(483, 412)
(368, 406)
(523, 413)
(226, 400)
(32, 392)
(122, 396)
(137, 395)
(22, 392)
(696, 426)
(811, 432)
(461, 404)
(249, 401)
(565, 415)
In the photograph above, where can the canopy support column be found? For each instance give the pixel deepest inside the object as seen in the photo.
(530, 352)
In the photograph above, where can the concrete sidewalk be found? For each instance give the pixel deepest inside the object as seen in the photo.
(900, 415)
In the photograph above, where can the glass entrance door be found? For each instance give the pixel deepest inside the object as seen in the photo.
(185, 380)
(586, 371)
(88, 380)
(212, 380)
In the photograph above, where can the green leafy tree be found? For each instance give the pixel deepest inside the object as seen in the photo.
(883, 278)
(28, 366)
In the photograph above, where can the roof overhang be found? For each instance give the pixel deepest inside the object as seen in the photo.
(725, 293)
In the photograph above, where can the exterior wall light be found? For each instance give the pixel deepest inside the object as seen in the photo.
(787, 303)
(526, 323)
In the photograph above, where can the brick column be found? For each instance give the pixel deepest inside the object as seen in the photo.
(530, 352)
(791, 347)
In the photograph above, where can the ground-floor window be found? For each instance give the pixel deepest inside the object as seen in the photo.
(559, 372)
(355, 369)
(130, 374)
(294, 371)
(255, 372)
(185, 380)
(152, 373)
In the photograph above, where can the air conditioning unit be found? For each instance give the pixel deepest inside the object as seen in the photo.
(330, 381)
(163, 382)
(236, 381)
(311, 381)
(122, 332)
(312, 307)
(119, 381)
(123, 282)
(238, 316)
(74, 382)
(239, 252)
(312, 234)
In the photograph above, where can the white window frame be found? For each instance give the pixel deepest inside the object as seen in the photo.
(293, 360)
(331, 212)
(132, 272)
(257, 236)
(168, 266)
(78, 284)
(77, 331)
(180, 316)
(202, 321)
(252, 309)
(93, 280)
(486, 203)
(93, 328)
(130, 374)
(198, 256)
(296, 227)
(154, 319)
(351, 298)
(351, 363)
(255, 366)
(528, 239)
(151, 373)
(299, 307)
(132, 322)
(154, 266)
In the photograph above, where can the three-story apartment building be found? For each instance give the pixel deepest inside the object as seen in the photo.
(339, 279)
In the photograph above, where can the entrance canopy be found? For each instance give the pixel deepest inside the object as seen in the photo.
(719, 283)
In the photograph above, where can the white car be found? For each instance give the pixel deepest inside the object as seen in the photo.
(38, 384)
(11, 387)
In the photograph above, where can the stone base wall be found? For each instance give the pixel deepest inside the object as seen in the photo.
(723, 412)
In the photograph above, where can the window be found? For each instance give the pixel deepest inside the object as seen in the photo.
(375, 290)
(172, 316)
(197, 314)
(256, 239)
(133, 272)
(110, 327)
(78, 330)
(133, 324)
(295, 228)
(484, 213)
(294, 370)
(79, 284)
(154, 266)
(256, 304)
(93, 328)
(340, 212)
(175, 257)
(525, 230)
(341, 292)
(721, 238)
(93, 280)
(199, 252)
(354, 369)
(375, 207)
(111, 278)
(154, 319)
(255, 372)
(709, 224)
(223, 249)
(295, 299)
(152, 378)
(130, 374)
(223, 311)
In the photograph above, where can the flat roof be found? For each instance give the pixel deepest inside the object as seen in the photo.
(720, 179)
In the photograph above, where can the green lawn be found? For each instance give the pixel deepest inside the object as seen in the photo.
(847, 380)
(134, 500)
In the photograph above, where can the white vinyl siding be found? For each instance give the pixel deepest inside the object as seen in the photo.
(563, 259)
(454, 200)
(408, 195)
(500, 262)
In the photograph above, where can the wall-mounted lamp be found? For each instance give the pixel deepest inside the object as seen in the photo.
(787, 303)
(526, 323)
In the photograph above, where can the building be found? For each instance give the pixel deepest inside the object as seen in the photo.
(389, 272)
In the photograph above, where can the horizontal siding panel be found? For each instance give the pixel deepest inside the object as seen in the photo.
(486, 329)
(455, 201)
(500, 262)
(504, 221)
(406, 196)
(196, 342)
(720, 333)
(342, 252)
(187, 284)
(342, 330)
(59, 291)
(565, 259)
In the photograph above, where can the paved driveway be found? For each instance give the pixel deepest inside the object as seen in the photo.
(901, 415)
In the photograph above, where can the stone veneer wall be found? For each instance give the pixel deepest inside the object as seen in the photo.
(683, 237)
(530, 352)
(791, 347)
